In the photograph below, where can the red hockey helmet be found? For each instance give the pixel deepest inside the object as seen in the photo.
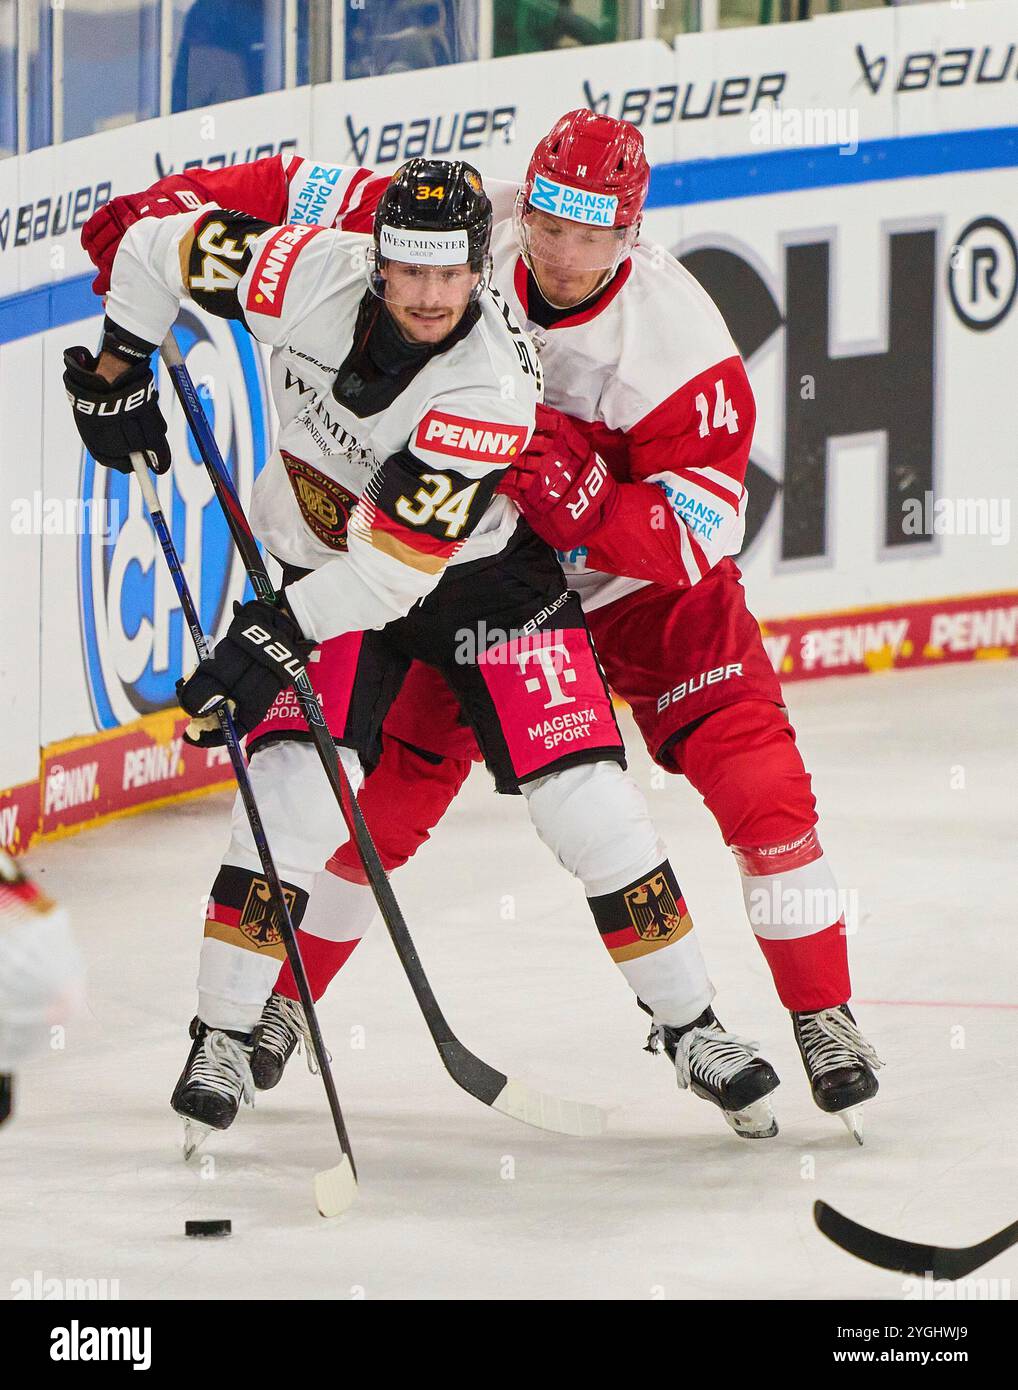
(590, 171)
(590, 155)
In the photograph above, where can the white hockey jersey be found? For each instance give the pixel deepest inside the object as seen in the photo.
(650, 374)
(376, 483)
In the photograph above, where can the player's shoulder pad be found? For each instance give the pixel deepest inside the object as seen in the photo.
(670, 301)
(322, 195)
(508, 344)
(214, 252)
(293, 269)
(671, 330)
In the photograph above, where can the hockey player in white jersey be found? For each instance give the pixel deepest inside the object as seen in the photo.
(401, 406)
(642, 363)
(642, 491)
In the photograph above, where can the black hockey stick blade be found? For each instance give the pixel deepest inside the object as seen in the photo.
(909, 1256)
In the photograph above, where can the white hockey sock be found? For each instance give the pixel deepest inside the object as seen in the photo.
(595, 821)
(339, 910)
(241, 953)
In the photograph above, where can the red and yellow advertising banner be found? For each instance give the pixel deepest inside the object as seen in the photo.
(982, 627)
(87, 781)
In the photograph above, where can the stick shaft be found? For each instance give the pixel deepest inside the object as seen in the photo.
(284, 922)
(247, 547)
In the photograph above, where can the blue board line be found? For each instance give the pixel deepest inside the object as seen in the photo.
(824, 166)
(678, 184)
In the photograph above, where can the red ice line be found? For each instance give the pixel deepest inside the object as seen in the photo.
(935, 1003)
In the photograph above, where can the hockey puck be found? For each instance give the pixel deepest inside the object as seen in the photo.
(207, 1228)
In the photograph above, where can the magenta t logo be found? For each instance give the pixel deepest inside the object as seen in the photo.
(556, 670)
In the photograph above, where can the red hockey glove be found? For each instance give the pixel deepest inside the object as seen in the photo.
(563, 489)
(101, 234)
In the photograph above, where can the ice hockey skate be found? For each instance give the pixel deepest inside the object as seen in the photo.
(724, 1069)
(215, 1079)
(278, 1032)
(839, 1063)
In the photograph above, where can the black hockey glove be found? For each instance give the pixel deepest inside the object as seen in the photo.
(116, 418)
(262, 653)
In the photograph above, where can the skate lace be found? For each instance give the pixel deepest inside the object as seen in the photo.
(282, 1019)
(715, 1056)
(830, 1039)
(222, 1066)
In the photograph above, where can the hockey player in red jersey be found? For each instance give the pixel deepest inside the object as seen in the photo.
(637, 478)
(404, 389)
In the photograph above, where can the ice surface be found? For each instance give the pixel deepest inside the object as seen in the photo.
(458, 1202)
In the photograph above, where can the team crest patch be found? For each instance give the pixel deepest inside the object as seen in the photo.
(255, 918)
(324, 504)
(652, 909)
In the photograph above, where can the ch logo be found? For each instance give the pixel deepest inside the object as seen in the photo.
(554, 678)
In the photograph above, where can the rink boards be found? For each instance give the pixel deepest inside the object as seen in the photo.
(844, 188)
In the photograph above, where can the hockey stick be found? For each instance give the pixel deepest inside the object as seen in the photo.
(335, 1188)
(908, 1256)
(513, 1098)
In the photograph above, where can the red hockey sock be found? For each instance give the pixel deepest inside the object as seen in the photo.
(322, 959)
(743, 761)
(810, 972)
